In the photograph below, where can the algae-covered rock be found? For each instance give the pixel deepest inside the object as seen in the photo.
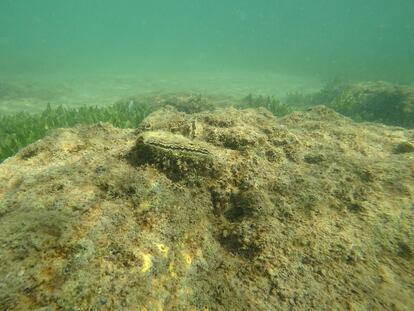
(222, 210)
(379, 101)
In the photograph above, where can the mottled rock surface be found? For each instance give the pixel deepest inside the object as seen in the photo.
(222, 210)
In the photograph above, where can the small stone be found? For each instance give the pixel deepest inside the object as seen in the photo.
(271, 271)
(103, 300)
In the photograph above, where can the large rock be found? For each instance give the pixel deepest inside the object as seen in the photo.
(222, 210)
(379, 101)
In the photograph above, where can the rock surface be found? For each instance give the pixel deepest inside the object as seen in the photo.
(221, 210)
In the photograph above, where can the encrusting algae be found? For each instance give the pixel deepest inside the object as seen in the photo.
(222, 210)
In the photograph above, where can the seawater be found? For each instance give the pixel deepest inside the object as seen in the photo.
(202, 41)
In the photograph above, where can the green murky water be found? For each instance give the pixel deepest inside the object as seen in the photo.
(370, 39)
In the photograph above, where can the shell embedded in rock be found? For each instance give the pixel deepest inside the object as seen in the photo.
(175, 154)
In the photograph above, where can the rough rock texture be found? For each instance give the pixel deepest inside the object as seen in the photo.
(223, 210)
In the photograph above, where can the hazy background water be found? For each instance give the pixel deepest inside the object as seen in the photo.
(221, 43)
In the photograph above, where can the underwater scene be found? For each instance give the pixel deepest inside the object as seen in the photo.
(206, 155)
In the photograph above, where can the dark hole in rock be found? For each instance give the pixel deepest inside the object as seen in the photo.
(314, 158)
(29, 153)
(404, 147)
(234, 244)
(404, 251)
(355, 207)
